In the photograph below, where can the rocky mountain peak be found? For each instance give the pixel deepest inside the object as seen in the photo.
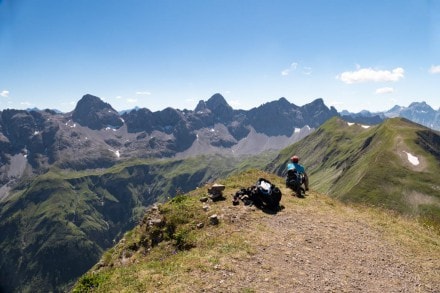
(219, 107)
(201, 107)
(420, 106)
(216, 101)
(317, 103)
(94, 113)
(93, 103)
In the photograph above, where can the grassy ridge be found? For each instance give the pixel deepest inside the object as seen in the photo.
(175, 249)
(370, 165)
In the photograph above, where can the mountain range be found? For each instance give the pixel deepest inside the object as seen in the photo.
(418, 112)
(94, 135)
(388, 172)
(78, 181)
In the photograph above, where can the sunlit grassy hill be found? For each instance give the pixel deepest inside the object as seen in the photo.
(313, 244)
(394, 165)
(55, 227)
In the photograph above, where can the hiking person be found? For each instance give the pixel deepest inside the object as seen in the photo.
(294, 165)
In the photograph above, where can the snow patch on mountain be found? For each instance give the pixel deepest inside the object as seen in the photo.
(412, 159)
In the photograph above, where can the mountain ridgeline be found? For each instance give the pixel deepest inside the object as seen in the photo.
(394, 165)
(94, 135)
(72, 184)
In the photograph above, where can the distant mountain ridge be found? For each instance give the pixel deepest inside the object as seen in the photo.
(94, 135)
(84, 211)
(418, 112)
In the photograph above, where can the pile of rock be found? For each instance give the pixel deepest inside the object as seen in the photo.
(216, 192)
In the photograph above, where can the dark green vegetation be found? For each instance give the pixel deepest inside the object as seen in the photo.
(372, 166)
(55, 227)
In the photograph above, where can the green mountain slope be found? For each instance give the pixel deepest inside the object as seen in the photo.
(395, 165)
(315, 244)
(56, 227)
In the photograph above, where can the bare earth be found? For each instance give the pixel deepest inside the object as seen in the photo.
(310, 247)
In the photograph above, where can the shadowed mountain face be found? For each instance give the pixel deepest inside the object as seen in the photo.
(93, 113)
(94, 135)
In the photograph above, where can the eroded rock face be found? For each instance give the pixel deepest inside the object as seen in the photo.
(95, 135)
(92, 112)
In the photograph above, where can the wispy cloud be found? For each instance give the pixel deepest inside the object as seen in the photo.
(4, 94)
(306, 70)
(143, 93)
(132, 101)
(371, 75)
(435, 69)
(384, 90)
(287, 71)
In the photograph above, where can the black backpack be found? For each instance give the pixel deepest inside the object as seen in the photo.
(293, 178)
(267, 194)
(263, 194)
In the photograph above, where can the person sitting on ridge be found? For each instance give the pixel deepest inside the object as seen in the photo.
(294, 164)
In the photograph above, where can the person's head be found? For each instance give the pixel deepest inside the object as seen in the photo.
(294, 159)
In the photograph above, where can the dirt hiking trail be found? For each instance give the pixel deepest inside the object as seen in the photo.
(315, 244)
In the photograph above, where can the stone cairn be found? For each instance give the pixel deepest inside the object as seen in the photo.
(216, 192)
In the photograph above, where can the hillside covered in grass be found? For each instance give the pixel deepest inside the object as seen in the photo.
(56, 227)
(394, 165)
(312, 244)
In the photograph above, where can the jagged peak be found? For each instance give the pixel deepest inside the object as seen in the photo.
(92, 103)
(216, 101)
(201, 106)
(94, 113)
(284, 102)
(317, 102)
(396, 108)
(422, 105)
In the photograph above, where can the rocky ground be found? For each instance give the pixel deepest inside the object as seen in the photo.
(322, 248)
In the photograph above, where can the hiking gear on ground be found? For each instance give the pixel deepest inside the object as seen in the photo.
(263, 194)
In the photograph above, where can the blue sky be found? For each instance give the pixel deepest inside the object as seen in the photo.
(155, 54)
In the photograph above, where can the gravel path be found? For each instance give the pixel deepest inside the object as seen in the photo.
(308, 249)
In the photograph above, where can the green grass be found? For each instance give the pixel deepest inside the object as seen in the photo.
(368, 166)
(92, 208)
(168, 266)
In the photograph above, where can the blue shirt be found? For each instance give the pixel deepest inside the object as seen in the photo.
(299, 168)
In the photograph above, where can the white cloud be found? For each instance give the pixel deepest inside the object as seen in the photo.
(4, 93)
(118, 97)
(384, 90)
(132, 101)
(435, 69)
(144, 93)
(371, 75)
(287, 71)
